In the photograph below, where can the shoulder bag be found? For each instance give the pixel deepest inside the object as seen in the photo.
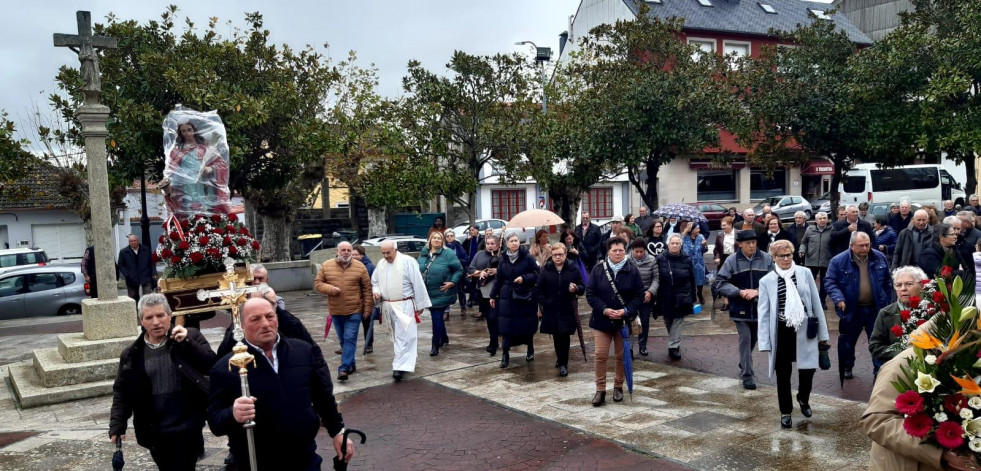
(635, 327)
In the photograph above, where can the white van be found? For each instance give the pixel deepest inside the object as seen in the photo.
(924, 184)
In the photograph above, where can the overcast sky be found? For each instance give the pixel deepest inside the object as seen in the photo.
(386, 33)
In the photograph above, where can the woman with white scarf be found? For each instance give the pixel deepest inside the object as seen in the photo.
(783, 327)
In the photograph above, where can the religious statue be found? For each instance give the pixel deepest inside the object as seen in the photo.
(196, 170)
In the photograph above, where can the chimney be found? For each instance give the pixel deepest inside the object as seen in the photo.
(562, 39)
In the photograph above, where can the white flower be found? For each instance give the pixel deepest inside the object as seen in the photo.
(967, 414)
(974, 402)
(940, 417)
(925, 383)
(975, 444)
(972, 428)
(931, 359)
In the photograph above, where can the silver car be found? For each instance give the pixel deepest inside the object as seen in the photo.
(785, 206)
(42, 291)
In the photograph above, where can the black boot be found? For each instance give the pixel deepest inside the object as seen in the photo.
(505, 359)
(563, 371)
(531, 352)
(435, 349)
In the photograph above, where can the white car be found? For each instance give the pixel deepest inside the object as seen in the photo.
(376, 241)
(497, 225)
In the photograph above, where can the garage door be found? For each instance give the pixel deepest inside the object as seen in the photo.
(60, 240)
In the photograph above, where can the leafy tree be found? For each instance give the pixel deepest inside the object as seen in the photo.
(457, 124)
(650, 96)
(271, 99)
(12, 153)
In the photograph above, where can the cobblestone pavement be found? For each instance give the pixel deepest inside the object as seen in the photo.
(692, 413)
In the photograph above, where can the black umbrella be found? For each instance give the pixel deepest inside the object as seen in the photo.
(117, 456)
(339, 463)
(582, 342)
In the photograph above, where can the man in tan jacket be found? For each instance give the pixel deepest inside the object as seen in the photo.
(347, 285)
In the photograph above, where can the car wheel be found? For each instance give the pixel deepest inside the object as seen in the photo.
(808, 214)
(70, 310)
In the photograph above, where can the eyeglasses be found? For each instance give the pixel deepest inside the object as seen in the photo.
(908, 284)
(559, 255)
(785, 256)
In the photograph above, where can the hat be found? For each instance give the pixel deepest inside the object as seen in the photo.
(617, 219)
(745, 235)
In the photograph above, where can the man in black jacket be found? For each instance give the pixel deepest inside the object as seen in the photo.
(291, 395)
(589, 234)
(137, 268)
(841, 231)
(162, 382)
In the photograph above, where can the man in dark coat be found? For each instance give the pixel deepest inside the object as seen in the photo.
(643, 220)
(902, 219)
(162, 383)
(739, 280)
(795, 232)
(589, 234)
(291, 395)
(973, 205)
(841, 231)
(912, 240)
(968, 240)
(136, 266)
(859, 284)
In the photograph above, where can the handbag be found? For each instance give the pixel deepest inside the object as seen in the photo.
(812, 327)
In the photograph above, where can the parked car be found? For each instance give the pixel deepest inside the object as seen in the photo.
(24, 257)
(376, 241)
(714, 212)
(524, 233)
(42, 291)
(411, 245)
(822, 203)
(882, 209)
(785, 206)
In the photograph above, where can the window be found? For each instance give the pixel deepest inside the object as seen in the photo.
(67, 278)
(716, 185)
(599, 202)
(739, 49)
(762, 186)
(795, 200)
(42, 282)
(705, 46)
(768, 8)
(902, 179)
(505, 204)
(854, 184)
(11, 286)
(819, 14)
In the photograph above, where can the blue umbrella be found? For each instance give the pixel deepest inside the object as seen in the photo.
(628, 361)
(681, 211)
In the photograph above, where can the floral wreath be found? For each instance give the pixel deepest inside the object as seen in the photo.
(200, 244)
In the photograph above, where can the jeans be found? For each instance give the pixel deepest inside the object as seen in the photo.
(439, 326)
(747, 331)
(603, 341)
(850, 327)
(369, 334)
(561, 343)
(177, 451)
(347, 333)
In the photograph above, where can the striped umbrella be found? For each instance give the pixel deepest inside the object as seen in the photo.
(681, 211)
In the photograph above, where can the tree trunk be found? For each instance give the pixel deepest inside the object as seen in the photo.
(276, 238)
(970, 166)
(377, 225)
(840, 170)
(471, 200)
(249, 213)
(650, 198)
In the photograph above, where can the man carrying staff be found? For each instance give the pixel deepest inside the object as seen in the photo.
(398, 284)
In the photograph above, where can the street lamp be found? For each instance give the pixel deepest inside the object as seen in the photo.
(542, 55)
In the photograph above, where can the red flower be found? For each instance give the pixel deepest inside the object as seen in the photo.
(174, 235)
(255, 245)
(166, 253)
(909, 402)
(954, 403)
(904, 315)
(198, 217)
(232, 251)
(226, 241)
(162, 239)
(949, 435)
(213, 252)
(914, 301)
(204, 240)
(241, 241)
(216, 218)
(938, 297)
(920, 322)
(218, 231)
(200, 229)
(244, 231)
(184, 224)
(154, 258)
(196, 257)
(232, 217)
(230, 229)
(925, 282)
(175, 260)
(918, 425)
(946, 272)
(896, 330)
(184, 245)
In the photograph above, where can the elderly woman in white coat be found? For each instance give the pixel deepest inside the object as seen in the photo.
(783, 315)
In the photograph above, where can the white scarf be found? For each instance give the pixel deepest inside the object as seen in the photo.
(793, 309)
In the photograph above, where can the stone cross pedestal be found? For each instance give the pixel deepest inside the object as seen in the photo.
(84, 364)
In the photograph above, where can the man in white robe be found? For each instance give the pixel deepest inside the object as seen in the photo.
(398, 284)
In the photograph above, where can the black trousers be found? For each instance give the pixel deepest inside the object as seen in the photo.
(366, 321)
(819, 272)
(645, 325)
(490, 316)
(177, 451)
(786, 352)
(561, 343)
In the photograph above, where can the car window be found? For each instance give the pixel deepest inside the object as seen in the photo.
(67, 278)
(719, 207)
(705, 208)
(795, 200)
(496, 224)
(42, 282)
(11, 285)
(8, 260)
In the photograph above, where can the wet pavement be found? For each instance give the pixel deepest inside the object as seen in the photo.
(459, 410)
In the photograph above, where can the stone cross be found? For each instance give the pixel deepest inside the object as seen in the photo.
(93, 116)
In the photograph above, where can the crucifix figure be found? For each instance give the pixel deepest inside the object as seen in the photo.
(85, 45)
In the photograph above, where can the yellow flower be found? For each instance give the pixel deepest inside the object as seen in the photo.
(925, 341)
(926, 383)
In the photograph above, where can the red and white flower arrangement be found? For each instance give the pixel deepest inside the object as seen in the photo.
(201, 243)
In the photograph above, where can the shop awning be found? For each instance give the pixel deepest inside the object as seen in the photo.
(818, 167)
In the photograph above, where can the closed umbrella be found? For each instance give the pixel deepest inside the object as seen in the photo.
(117, 456)
(535, 218)
(628, 359)
(582, 342)
(339, 463)
(682, 211)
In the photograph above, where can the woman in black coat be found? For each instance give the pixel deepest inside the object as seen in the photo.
(513, 295)
(558, 289)
(675, 293)
(774, 232)
(940, 248)
(611, 308)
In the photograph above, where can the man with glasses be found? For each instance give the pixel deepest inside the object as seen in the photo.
(859, 284)
(906, 281)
